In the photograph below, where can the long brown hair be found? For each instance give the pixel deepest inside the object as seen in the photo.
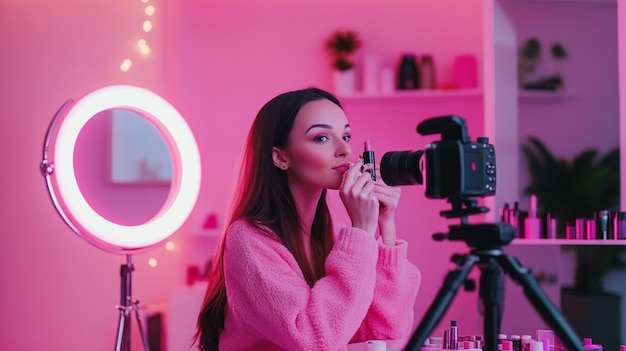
(264, 200)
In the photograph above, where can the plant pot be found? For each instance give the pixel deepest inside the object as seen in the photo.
(593, 315)
(344, 82)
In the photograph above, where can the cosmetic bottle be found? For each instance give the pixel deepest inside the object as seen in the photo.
(501, 338)
(408, 73)
(446, 340)
(517, 342)
(552, 227)
(590, 346)
(427, 73)
(532, 223)
(505, 213)
(507, 345)
(547, 338)
(371, 74)
(436, 340)
(514, 216)
(526, 339)
(535, 346)
(619, 225)
(454, 336)
(603, 224)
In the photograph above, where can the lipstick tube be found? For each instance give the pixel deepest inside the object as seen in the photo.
(368, 158)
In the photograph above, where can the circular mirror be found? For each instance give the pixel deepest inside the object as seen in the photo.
(64, 167)
(123, 166)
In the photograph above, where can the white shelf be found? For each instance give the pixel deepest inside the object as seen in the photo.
(527, 94)
(566, 1)
(565, 242)
(412, 94)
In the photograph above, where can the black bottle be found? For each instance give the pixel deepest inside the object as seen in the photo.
(408, 73)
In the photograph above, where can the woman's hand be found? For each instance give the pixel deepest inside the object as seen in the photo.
(358, 196)
(388, 198)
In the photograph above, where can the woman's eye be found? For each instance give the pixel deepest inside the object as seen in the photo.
(321, 138)
(347, 137)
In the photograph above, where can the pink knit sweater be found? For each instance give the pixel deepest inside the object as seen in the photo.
(368, 293)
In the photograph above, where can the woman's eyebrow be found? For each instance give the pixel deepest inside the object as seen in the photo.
(325, 126)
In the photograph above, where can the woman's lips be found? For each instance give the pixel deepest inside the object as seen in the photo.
(342, 168)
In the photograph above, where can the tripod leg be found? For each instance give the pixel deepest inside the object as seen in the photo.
(453, 280)
(542, 304)
(492, 297)
(144, 338)
(121, 330)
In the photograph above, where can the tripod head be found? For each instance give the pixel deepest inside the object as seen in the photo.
(477, 236)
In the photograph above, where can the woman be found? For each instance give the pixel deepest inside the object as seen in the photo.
(283, 277)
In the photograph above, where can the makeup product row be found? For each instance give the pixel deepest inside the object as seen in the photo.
(545, 340)
(605, 224)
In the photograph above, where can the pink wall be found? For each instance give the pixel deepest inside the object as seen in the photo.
(588, 116)
(59, 292)
(258, 52)
(217, 62)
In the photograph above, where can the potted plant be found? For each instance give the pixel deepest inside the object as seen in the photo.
(530, 58)
(341, 45)
(577, 189)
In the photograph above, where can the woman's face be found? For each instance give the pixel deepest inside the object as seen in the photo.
(318, 150)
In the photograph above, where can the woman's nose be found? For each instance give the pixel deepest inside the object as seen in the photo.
(343, 149)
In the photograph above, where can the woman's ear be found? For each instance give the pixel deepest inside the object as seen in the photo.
(279, 158)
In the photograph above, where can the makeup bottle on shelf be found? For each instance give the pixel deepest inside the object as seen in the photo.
(505, 213)
(552, 227)
(603, 224)
(427, 73)
(619, 225)
(408, 73)
(514, 218)
(532, 223)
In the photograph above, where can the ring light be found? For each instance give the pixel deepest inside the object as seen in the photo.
(58, 168)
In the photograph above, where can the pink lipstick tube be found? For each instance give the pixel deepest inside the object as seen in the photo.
(368, 158)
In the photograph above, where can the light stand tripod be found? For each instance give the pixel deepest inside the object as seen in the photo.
(126, 307)
(486, 242)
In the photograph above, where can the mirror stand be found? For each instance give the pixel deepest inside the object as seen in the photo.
(126, 308)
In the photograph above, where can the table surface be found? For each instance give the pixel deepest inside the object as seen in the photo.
(392, 345)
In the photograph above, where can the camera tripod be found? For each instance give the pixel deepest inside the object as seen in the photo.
(126, 308)
(486, 242)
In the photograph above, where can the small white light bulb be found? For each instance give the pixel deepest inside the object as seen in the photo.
(125, 66)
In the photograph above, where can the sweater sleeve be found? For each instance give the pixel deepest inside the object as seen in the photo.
(397, 281)
(268, 294)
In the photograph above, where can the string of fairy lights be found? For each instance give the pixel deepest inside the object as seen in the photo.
(144, 49)
(142, 43)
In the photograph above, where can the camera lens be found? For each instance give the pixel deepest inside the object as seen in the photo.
(401, 168)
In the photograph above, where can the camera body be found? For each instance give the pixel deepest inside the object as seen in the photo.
(454, 167)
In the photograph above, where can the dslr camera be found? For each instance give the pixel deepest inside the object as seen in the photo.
(454, 167)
